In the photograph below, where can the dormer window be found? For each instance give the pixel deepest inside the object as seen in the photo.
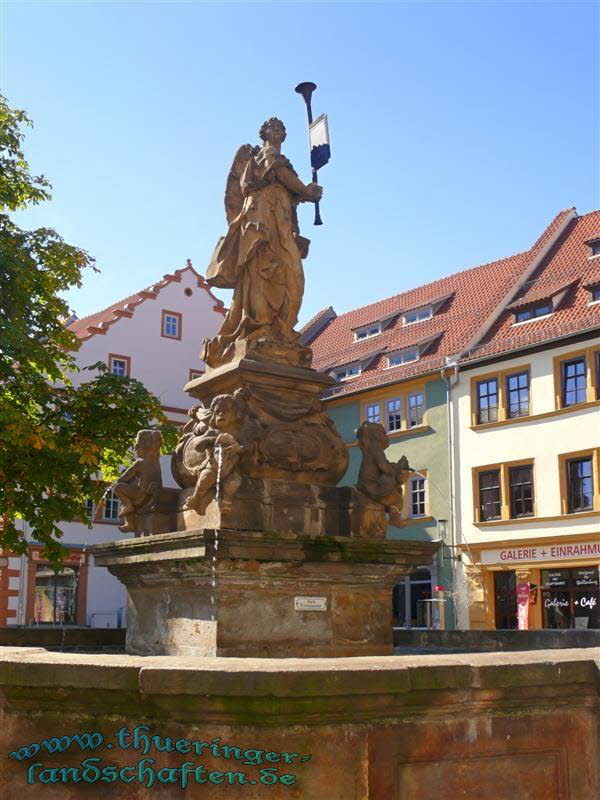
(347, 371)
(595, 293)
(367, 331)
(403, 356)
(417, 315)
(594, 245)
(542, 309)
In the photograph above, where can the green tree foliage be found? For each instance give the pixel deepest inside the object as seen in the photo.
(61, 439)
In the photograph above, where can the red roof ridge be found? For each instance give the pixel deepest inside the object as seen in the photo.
(431, 283)
(100, 321)
(537, 253)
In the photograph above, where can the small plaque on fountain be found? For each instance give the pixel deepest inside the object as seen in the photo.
(310, 604)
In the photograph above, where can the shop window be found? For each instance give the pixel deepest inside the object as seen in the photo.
(55, 596)
(580, 485)
(574, 384)
(489, 495)
(505, 600)
(411, 600)
(373, 412)
(394, 414)
(571, 598)
(521, 490)
(517, 395)
(487, 401)
(416, 407)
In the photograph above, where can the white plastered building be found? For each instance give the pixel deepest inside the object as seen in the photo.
(155, 336)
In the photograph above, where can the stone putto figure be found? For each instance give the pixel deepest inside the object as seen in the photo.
(139, 487)
(218, 452)
(380, 479)
(261, 255)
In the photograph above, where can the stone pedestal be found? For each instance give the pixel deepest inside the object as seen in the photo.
(282, 423)
(285, 507)
(231, 593)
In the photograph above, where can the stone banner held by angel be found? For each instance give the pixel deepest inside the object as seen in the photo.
(261, 255)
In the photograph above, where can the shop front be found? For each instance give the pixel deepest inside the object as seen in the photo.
(56, 597)
(552, 583)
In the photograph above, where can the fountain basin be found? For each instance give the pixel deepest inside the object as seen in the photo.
(486, 725)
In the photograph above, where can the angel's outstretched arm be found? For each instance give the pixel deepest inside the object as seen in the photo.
(310, 193)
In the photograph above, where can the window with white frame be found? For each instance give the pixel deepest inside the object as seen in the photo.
(417, 496)
(542, 309)
(373, 412)
(416, 408)
(171, 325)
(349, 371)
(417, 315)
(111, 506)
(394, 414)
(367, 331)
(403, 356)
(118, 366)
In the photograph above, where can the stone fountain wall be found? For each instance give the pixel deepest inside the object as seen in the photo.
(510, 726)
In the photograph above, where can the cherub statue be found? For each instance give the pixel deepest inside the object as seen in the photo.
(138, 488)
(261, 255)
(219, 451)
(378, 478)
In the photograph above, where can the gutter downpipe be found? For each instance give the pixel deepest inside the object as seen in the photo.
(451, 364)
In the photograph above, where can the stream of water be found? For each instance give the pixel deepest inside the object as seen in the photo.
(218, 495)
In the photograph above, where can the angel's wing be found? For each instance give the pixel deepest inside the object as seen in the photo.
(233, 191)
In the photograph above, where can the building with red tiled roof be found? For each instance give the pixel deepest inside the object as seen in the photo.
(402, 361)
(526, 444)
(154, 335)
(455, 310)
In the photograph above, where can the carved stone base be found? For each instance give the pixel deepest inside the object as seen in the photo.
(206, 593)
(285, 507)
(281, 423)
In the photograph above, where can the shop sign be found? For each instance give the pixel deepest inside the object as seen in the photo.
(548, 552)
(587, 576)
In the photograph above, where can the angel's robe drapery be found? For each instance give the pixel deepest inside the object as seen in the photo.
(259, 256)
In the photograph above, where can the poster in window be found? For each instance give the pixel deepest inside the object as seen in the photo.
(523, 592)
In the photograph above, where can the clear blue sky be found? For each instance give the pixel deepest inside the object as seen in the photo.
(458, 129)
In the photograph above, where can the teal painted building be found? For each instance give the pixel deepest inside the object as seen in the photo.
(426, 512)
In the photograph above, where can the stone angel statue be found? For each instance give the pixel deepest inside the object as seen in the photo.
(261, 255)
